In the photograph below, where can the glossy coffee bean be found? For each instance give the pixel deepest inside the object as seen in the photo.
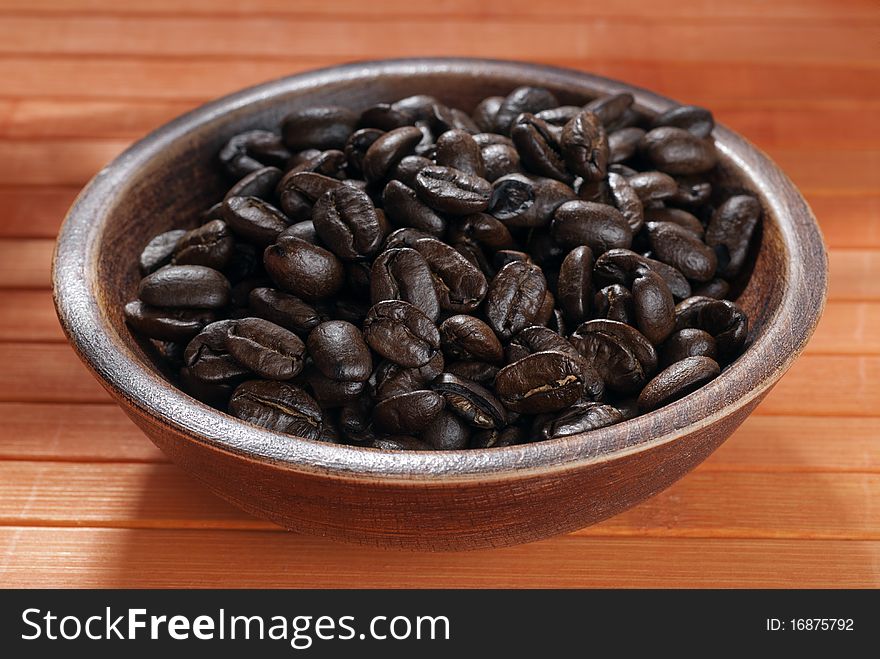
(267, 349)
(254, 220)
(401, 333)
(688, 342)
(321, 127)
(677, 151)
(577, 419)
(467, 337)
(460, 285)
(166, 324)
(625, 199)
(520, 100)
(599, 226)
(574, 286)
(585, 146)
(305, 270)
(408, 168)
(495, 438)
(399, 443)
(160, 250)
(540, 383)
(717, 288)
(610, 108)
(678, 247)
(480, 372)
(403, 274)
(348, 223)
(391, 379)
(405, 209)
(676, 381)
(620, 265)
(615, 302)
(339, 351)
(210, 245)
(458, 150)
(723, 319)
(693, 191)
(310, 185)
(623, 143)
(676, 216)
(260, 183)
(624, 358)
(207, 359)
(253, 150)
(485, 112)
(515, 298)
(331, 393)
(499, 160)
(539, 147)
(653, 186)
(357, 145)
(452, 191)
(411, 412)
(447, 431)
(185, 287)
(692, 118)
(277, 406)
(284, 309)
(730, 231)
(471, 401)
(388, 150)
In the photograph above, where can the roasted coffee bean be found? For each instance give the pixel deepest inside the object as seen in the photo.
(653, 305)
(348, 223)
(322, 127)
(458, 150)
(210, 245)
(408, 168)
(723, 319)
(677, 151)
(585, 146)
(452, 191)
(460, 285)
(160, 250)
(388, 150)
(339, 351)
(627, 201)
(185, 287)
(278, 406)
(512, 196)
(267, 349)
(717, 288)
(483, 229)
(467, 337)
(543, 250)
(404, 237)
(678, 247)
(444, 118)
(520, 100)
(610, 108)
(676, 216)
(403, 274)
(480, 372)
(399, 443)
(615, 302)
(677, 381)
(574, 286)
(411, 412)
(688, 342)
(653, 186)
(730, 231)
(207, 359)
(499, 160)
(401, 333)
(247, 152)
(692, 192)
(539, 147)
(385, 116)
(599, 226)
(494, 438)
(579, 418)
(419, 106)
(167, 324)
(619, 266)
(357, 145)
(404, 208)
(504, 256)
(485, 112)
(489, 139)
(624, 358)
(559, 116)
(623, 144)
(328, 163)
(447, 432)
(260, 183)
(310, 185)
(304, 230)
(284, 309)
(331, 393)
(692, 118)
(215, 395)
(542, 339)
(254, 220)
(306, 270)
(540, 383)
(391, 379)
(515, 298)
(471, 401)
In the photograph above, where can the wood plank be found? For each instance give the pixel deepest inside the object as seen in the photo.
(853, 274)
(706, 82)
(25, 263)
(34, 212)
(847, 221)
(48, 372)
(342, 36)
(687, 9)
(29, 316)
(109, 558)
(73, 432)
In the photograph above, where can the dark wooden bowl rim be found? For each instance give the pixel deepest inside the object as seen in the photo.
(76, 299)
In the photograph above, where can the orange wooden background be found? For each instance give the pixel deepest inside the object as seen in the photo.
(792, 499)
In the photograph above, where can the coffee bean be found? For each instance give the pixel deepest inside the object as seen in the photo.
(399, 443)
(615, 302)
(284, 309)
(405, 209)
(479, 372)
(623, 144)
(676, 216)
(408, 168)
(447, 432)
(254, 220)
(653, 186)
(458, 150)
(485, 112)
(619, 266)
(303, 269)
(585, 146)
(730, 231)
(467, 337)
(542, 382)
(278, 406)
(677, 151)
(460, 285)
(391, 379)
(160, 250)
(723, 319)
(322, 127)
(388, 150)
(401, 333)
(624, 358)
(653, 305)
(692, 192)
(610, 108)
(692, 118)
(599, 226)
(717, 288)
(259, 183)
(577, 419)
(207, 359)
(679, 248)
(411, 412)
(484, 229)
(331, 393)
(499, 160)
(688, 342)
(403, 274)
(575, 283)
(520, 100)
(452, 191)
(627, 201)
(348, 223)
(339, 351)
(404, 237)
(471, 401)
(540, 148)
(253, 150)
(515, 297)
(267, 349)
(185, 287)
(677, 381)
(494, 438)
(559, 116)
(210, 245)
(167, 324)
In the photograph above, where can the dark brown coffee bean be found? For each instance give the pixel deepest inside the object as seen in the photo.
(254, 220)
(278, 406)
(210, 245)
(284, 309)
(688, 342)
(267, 349)
(471, 401)
(348, 223)
(404, 208)
(623, 143)
(458, 150)
(339, 351)
(306, 270)
(247, 152)
(512, 196)
(615, 302)
(577, 419)
(494, 438)
(320, 127)
(540, 383)
(185, 287)
(215, 395)
(692, 192)
(467, 337)
(489, 139)
(207, 359)
(723, 319)
(676, 151)
(574, 286)
(677, 381)
(599, 226)
(160, 250)
(411, 412)
(481, 228)
(404, 237)
(619, 266)
(682, 250)
(388, 150)
(480, 372)
(626, 200)
(391, 379)
(460, 285)
(624, 358)
(420, 106)
(717, 288)
(515, 298)
(357, 145)
(385, 116)
(403, 274)
(504, 256)
(543, 339)
(331, 393)
(539, 147)
(559, 116)
(485, 112)
(447, 432)
(520, 100)
(444, 118)
(451, 191)
(610, 108)
(585, 146)
(692, 118)
(304, 230)
(653, 186)
(653, 305)
(407, 169)
(499, 160)
(676, 216)
(310, 185)
(166, 324)
(730, 231)
(401, 333)
(260, 183)
(399, 443)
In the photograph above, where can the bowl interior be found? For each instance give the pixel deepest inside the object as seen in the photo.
(175, 178)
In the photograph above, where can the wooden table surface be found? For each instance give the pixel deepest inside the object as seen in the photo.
(792, 499)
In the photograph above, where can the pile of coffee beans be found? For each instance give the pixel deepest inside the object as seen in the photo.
(416, 277)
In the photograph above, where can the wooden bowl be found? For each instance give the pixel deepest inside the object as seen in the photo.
(416, 500)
